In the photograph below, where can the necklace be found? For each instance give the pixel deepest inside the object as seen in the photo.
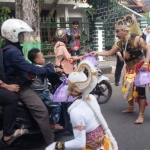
(124, 49)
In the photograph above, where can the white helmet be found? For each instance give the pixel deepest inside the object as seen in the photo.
(12, 27)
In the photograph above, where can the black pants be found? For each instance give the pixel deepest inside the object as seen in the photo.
(141, 92)
(9, 101)
(119, 66)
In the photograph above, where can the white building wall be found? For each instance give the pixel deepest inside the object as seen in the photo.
(7, 0)
(73, 13)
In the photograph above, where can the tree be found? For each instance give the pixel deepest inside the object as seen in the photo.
(4, 15)
(28, 11)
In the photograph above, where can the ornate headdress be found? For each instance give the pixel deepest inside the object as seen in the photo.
(125, 23)
(79, 82)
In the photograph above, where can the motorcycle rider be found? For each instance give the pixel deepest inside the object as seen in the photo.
(16, 69)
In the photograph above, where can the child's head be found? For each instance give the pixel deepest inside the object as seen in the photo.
(35, 56)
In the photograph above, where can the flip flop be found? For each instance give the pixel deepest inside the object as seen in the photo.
(15, 135)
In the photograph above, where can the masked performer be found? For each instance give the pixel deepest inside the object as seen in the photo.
(90, 129)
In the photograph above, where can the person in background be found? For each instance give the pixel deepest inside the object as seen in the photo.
(75, 42)
(119, 66)
(146, 37)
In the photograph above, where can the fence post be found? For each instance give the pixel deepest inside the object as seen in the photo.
(98, 37)
(143, 22)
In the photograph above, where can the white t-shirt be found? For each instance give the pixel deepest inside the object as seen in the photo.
(147, 38)
(81, 115)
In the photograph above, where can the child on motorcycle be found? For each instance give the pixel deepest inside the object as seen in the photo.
(40, 86)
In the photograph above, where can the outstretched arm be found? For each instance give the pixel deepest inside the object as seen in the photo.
(75, 58)
(18, 61)
(106, 53)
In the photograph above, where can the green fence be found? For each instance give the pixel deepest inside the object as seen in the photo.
(48, 28)
(109, 14)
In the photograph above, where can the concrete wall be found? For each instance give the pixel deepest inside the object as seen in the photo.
(68, 12)
(71, 12)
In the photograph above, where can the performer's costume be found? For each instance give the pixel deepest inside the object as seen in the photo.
(90, 129)
(134, 60)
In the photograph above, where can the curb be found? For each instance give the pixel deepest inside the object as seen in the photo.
(107, 69)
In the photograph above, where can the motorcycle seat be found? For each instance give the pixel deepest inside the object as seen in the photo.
(20, 104)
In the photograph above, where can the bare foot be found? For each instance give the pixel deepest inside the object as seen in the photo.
(140, 119)
(129, 110)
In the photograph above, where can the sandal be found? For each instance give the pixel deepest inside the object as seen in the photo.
(56, 127)
(18, 133)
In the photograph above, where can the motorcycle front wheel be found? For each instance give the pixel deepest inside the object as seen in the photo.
(103, 92)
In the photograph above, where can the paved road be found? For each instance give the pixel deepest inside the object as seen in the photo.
(128, 135)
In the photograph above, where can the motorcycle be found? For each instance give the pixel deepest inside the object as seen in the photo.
(24, 119)
(103, 89)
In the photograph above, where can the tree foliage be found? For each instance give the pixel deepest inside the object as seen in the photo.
(4, 12)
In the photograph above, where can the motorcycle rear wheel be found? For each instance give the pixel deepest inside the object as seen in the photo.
(103, 92)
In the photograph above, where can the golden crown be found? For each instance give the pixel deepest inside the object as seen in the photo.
(125, 23)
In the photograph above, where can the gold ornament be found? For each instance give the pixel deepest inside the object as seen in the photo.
(135, 94)
(123, 90)
(60, 32)
(125, 23)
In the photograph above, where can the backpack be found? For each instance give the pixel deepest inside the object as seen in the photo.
(2, 72)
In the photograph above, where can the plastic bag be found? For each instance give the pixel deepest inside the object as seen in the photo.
(62, 94)
(142, 78)
(92, 59)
